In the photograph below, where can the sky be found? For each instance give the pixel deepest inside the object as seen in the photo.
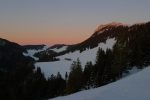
(65, 21)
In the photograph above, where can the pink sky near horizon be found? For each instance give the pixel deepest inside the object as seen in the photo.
(46, 38)
(64, 21)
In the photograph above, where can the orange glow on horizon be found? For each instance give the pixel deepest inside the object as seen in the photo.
(43, 40)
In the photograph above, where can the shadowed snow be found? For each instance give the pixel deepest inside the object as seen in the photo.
(134, 87)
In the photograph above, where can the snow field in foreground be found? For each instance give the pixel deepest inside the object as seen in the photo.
(134, 87)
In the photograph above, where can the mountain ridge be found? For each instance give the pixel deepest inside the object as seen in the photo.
(110, 30)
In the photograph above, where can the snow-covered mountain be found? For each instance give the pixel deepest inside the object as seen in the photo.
(57, 46)
(105, 37)
(61, 49)
(33, 49)
(134, 87)
(63, 65)
(104, 27)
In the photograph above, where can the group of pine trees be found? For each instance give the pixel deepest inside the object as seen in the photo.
(104, 71)
(24, 83)
(132, 49)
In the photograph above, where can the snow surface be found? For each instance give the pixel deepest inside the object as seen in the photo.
(131, 71)
(31, 52)
(49, 68)
(63, 48)
(63, 65)
(134, 87)
(89, 54)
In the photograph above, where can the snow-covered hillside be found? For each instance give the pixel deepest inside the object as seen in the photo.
(49, 68)
(63, 48)
(31, 52)
(89, 54)
(63, 65)
(134, 87)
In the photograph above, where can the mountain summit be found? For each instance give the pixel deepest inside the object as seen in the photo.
(105, 26)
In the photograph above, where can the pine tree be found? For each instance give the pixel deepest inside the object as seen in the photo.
(120, 60)
(87, 75)
(103, 66)
(66, 76)
(60, 84)
(100, 67)
(75, 82)
(56, 86)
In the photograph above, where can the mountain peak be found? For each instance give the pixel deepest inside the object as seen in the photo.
(115, 24)
(112, 24)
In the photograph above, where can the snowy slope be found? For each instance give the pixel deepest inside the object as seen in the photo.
(49, 68)
(63, 48)
(134, 87)
(31, 52)
(63, 65)
(89, 54)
